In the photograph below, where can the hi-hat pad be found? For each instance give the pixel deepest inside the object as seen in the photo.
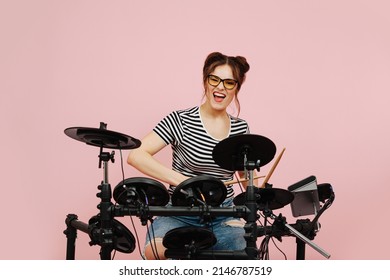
(267, 198)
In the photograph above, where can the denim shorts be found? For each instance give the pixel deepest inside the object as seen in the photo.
(228, 231)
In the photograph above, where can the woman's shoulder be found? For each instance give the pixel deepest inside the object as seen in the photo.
(183, 115)
(238, 121)
(188, 111)
(239, 126)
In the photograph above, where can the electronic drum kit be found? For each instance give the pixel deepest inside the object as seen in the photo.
(198, 196)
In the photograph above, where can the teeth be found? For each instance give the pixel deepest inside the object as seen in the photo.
(219, 95)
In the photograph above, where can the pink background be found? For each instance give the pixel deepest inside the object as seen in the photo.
(318, 85)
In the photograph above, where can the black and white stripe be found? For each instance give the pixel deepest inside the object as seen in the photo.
(192, 146)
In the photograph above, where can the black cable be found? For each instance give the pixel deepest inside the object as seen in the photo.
(122, 168)
(113, 255)
(131, 218)
(136, 236)
(326, 205)
(152, 241)
(273, 241)
(264, 250)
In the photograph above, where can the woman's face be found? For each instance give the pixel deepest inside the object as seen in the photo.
(218, 96)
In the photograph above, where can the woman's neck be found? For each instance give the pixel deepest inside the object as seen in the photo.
(208, 112)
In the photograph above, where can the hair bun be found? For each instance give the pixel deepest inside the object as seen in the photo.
(243, 63)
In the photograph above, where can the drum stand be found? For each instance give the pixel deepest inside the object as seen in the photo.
(251, 226)
(73, 224)
(303, 230)
(103, 229)
(104, 233)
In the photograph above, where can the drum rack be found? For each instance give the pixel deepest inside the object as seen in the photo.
(107, 238)
(134, 200)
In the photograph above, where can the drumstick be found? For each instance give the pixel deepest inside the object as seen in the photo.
(241, 180)
(272, 168)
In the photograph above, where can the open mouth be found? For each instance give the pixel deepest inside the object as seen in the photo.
(219, 97)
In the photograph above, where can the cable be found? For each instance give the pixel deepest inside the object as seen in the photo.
(264, 250)
(273, 241)
(122, 168)
(113, 255)
(152, 240)
(136, 236)
(131, 218)
(326, 205)
(153, 244)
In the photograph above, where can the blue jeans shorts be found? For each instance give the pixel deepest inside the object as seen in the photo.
(228, 231)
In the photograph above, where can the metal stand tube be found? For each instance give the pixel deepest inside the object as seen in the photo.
(307, 241)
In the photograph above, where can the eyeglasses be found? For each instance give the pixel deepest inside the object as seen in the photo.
(215, 80)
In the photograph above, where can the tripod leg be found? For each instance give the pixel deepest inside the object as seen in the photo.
(301, 248)
(71, 234)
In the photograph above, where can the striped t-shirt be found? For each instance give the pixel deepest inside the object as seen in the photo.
(192, 146)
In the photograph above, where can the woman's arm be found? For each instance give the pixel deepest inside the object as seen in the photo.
(142, 159)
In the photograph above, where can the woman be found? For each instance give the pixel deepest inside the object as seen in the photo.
(193, 133)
